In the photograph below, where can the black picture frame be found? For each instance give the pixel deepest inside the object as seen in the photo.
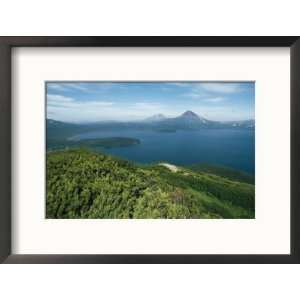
(6, 46)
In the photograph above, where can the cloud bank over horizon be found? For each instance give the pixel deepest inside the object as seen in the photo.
(80, 102)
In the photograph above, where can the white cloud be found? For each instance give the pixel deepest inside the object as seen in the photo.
(213, 92)
(96, 103)
(86, 87)
(58, 100)
(69, 110)
(54, 100)
(195, 95)
(67, 86)
(223, 113)
(214, 99)
(147, 106)
(224, 88)
(198, 95)
(212, 87)
(76, 86)
(205, 99)
(56, 87)
(54, 97)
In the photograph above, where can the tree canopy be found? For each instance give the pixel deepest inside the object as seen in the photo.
(86, 184)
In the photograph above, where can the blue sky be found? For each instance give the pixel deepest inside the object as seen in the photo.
(101, 101)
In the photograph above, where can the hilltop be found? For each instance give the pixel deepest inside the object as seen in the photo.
(85, 184)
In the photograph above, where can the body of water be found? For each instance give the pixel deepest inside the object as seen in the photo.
(233, 148)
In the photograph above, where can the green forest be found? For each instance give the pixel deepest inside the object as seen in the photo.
(86, 184)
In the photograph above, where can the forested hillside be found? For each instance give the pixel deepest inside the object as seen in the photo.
(223, 171)
(85, 184)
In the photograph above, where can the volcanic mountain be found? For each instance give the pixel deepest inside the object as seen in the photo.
(189, 114)
(187, 120)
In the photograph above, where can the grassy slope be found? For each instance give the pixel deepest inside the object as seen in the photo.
(84, 184)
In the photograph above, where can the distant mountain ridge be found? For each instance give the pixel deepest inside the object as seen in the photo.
(189, 120)
(155, 118)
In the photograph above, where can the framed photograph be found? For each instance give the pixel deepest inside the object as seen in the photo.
(149, 149)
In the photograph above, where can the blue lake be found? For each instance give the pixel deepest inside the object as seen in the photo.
(233, 148)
